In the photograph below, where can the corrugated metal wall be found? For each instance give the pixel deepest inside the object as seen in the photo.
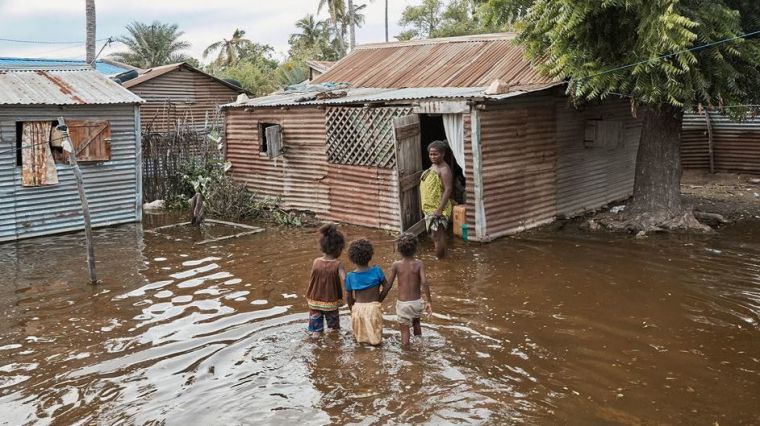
(113, 187)
(194, 95)
(297, 177)
(302, 178)
(362, 195)
(591, 175)
(536, 166)
(519, 153)
(736, 145)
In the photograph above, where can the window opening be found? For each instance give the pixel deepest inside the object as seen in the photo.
(263, 136)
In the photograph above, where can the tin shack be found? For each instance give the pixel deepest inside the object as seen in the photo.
(352, 145)
(38, 194)
(180, 94)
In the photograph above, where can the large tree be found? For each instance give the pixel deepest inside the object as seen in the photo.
(665, 56)
(336, 9)
(229, 49)
(152, 45)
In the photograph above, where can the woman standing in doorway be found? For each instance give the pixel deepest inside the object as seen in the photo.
(436, 186)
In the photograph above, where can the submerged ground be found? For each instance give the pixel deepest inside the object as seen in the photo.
(554, 326)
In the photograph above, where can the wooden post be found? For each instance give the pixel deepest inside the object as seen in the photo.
(710, 141)
(69, 148)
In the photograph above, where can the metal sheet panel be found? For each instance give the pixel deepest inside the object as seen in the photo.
(61, 87)
(362, 195)
(112, 187)
(736, 145)
(470, 61)
(194, 96)
(297, 177)
(591, 175)
(519, 154)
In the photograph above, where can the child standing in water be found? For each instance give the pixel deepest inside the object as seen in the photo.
(366, 287)
(324, 295)
(411, 281)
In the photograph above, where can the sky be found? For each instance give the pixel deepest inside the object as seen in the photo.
(203, 21)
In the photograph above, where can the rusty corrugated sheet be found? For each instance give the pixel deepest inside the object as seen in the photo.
(736, 145)
(362, 195)
(83, 86)
(470, 61)
(591, 176)
(297, 177)
(519, 154)
(181, 94)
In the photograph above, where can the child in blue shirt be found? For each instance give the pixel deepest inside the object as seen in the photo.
(366, 288)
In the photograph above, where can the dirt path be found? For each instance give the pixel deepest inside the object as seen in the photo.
(735, 196)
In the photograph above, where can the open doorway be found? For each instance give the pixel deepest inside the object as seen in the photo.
(432, 129)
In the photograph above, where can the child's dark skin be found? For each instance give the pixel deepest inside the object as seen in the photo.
(411, 282)
(368, 295)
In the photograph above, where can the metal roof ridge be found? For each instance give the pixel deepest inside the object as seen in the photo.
(506, 36)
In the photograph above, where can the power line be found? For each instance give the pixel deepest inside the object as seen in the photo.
(670, 55)
(10, 40)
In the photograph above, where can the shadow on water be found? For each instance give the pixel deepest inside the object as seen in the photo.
(552, 326)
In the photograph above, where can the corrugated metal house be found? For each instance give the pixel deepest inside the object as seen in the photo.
(180, 93)
(38, 193)
(735, 144)
(354, 153)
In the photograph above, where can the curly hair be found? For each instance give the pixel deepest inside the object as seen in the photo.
(331, 240)
(407, 244)
(360, 252)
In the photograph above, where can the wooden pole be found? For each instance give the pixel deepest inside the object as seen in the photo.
(710, 141)
(69, 148)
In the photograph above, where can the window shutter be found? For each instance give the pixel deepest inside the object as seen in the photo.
(274, 141)
(91, 139)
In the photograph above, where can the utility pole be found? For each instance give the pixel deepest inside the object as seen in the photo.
(69, 148)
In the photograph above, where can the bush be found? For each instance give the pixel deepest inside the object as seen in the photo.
(223, 197)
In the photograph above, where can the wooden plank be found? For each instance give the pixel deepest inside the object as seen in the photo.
(37, 163)
(410, 181)
(408, 131)
(418, 228)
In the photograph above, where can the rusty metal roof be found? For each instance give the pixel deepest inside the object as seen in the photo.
(371, 95)
(469, 61)
(66, 86)
(151, 73)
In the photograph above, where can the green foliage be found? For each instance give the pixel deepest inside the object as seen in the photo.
(152, 45)
(591, 43)
(254, 68)
(436, 18)
(224, 197)
(230, 50)
(315, 40)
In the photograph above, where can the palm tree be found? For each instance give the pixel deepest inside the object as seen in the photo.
(336, 9)
(312, 32)
(386, 21)
(152, 45)
(90, 28)
(229, 50)
(354, 19)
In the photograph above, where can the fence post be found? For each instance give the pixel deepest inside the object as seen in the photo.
(710, 141)
(69, 148)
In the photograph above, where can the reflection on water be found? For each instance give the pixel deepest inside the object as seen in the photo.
(551, 327)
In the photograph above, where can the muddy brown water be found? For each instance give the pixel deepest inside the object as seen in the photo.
(556, 326)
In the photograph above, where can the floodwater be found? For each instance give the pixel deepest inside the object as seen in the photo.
(556, 326)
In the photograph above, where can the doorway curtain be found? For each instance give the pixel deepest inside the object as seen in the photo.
(453, 124)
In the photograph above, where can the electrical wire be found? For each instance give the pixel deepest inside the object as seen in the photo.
(10, 40)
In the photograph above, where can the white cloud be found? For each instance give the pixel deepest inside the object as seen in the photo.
(203, 21)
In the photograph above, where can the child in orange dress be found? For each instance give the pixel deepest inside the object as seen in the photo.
(324, 295)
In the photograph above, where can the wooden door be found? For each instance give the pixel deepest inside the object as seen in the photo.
(409, 169)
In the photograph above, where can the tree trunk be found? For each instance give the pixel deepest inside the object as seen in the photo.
(657, 185)
(90, 41)
(352, 24)
(386, 21)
